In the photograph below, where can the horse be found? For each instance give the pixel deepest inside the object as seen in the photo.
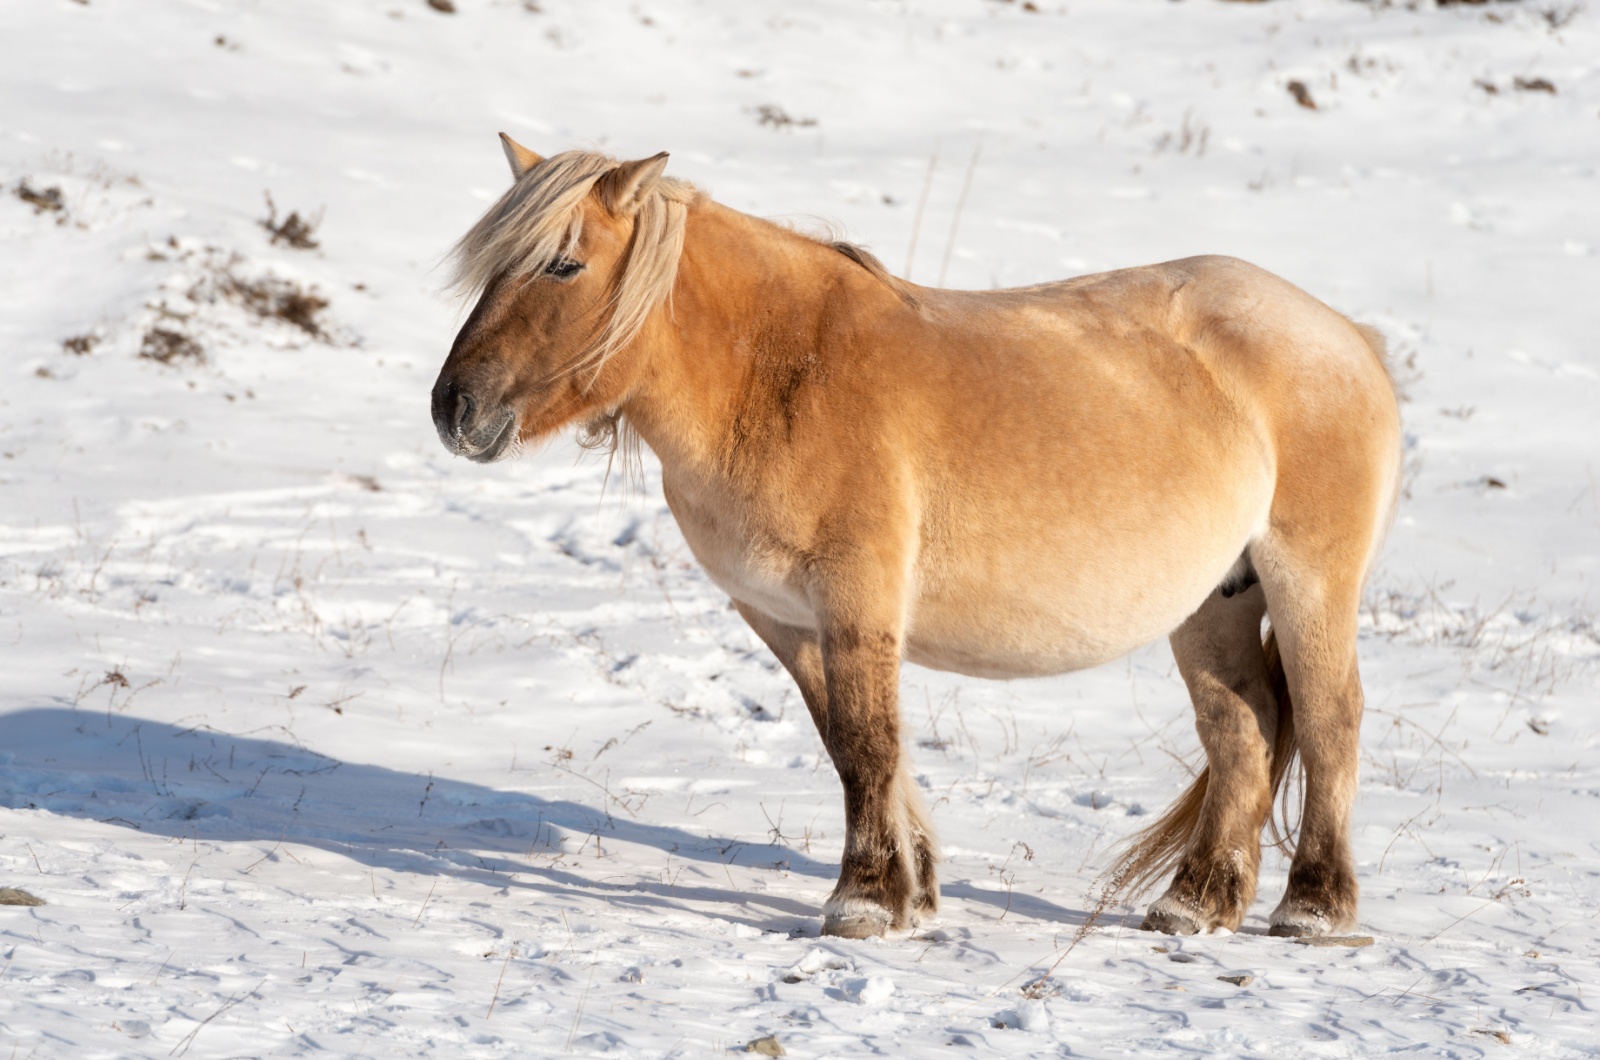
(1002, 483)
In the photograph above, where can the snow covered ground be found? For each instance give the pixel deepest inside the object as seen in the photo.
(315, 740)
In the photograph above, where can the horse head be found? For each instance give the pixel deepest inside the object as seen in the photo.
(567, 267)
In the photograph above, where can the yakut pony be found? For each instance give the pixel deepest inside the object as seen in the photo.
(1003, 483)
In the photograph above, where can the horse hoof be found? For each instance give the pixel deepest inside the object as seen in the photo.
(1302, 923)
(854, 927)
(1165, 917)
(1169, 924)
(855, 920)
(1294, 927)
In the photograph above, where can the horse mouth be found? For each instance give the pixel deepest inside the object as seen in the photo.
(494, 443)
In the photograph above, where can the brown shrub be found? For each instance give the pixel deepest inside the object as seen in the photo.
(43, 200)
(294, 230)
(170, 347)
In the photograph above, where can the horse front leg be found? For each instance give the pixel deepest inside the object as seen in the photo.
(887, 879)
(800, 652)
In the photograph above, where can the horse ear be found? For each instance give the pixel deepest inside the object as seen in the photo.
(520, 157)
(625, 187)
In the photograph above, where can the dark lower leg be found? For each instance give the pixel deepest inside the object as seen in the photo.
(1322, 894)
(1219, 654)
(888, 877)
(879, 875)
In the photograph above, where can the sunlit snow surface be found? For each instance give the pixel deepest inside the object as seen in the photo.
(318, 741)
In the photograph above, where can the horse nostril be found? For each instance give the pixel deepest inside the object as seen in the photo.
(463, 411)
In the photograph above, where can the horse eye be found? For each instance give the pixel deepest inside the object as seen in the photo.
(563, 269)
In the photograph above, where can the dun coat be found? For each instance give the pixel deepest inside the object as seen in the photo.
(1004, 484)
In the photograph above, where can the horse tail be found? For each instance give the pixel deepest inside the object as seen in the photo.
(1153, 852)
(1285, 753)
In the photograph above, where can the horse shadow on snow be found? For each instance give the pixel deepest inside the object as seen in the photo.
(201, 783)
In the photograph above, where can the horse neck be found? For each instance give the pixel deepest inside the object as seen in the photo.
(745, 288)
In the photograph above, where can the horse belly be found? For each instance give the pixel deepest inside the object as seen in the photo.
(1072, 596)
(1032, 632)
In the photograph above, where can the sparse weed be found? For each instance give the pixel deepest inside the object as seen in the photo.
(1192, 135)
(298, 232)
(274, 298)
(1556, 16)
(775, 117)
(81, 345)
(215, 275)
(1538, 652)
(43, 200)
(166, 346)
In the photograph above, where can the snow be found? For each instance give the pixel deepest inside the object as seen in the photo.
(873, 990)
(314, 739)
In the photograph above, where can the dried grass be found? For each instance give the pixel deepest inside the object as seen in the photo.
(43, 200)
(166, 346)
(297, 231)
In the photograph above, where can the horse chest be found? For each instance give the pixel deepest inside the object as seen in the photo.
(748, 565)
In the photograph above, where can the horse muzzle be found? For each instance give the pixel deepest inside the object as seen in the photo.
(470, 427)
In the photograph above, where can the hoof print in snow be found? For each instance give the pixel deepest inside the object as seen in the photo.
(817, 960)
(1029, 1016)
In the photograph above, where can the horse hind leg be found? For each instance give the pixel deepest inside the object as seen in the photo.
(1214, 831)
(1337, 477)
(1314, 614)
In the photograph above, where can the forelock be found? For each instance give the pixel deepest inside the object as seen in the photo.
(537, 220)
(540, 218)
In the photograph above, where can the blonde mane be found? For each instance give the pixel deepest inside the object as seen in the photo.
(540, 218)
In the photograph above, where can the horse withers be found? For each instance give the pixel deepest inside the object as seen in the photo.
(1004, 484)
